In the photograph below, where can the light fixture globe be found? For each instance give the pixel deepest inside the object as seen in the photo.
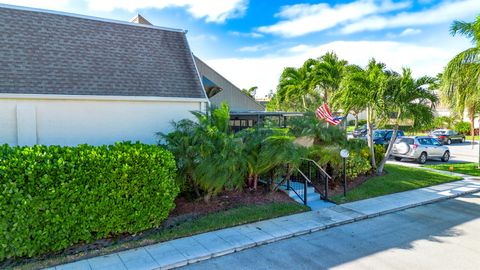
(344, 153)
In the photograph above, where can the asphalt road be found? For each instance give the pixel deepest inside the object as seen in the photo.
(443, 235)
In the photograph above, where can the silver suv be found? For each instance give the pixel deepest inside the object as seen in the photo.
(419, 148)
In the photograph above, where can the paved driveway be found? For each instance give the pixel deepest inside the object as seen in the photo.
(443, 235)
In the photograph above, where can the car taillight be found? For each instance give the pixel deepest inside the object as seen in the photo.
(442, 137)
(415, 146)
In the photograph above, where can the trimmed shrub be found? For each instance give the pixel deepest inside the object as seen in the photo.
(462, 128)
(379, 153)
(53, 197)
(362, 122)
(357, 164)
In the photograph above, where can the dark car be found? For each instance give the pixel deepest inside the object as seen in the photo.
(447, 136)
(384, 136)
(361, 131)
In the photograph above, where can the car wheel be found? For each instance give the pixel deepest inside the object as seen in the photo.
(446, 156)
(449, 141)
(398, 158)
(422, 158)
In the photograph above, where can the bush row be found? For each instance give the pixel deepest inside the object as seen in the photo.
(53, 197)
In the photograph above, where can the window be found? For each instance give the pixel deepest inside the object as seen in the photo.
(425, 141)
(408, 141)
(434, 142)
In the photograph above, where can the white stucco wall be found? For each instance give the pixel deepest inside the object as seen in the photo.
(92, 120)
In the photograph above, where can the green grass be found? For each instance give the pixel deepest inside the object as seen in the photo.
(350, 128)
(398, 178)
(469, 138)
(464, 168)
(230, 218)
(205, 223)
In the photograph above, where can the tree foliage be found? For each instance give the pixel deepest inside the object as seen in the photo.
(461, 78)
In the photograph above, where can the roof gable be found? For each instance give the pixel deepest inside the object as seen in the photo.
(47, 53)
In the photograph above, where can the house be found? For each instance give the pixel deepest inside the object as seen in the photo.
(219, 90)
(68, 79)
(217, 87)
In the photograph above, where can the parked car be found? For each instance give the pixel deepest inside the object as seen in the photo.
(420, 148)
(361, 131)
(384, 136)
(447, 136)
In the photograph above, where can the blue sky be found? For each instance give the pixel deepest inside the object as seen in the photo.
(250, 42)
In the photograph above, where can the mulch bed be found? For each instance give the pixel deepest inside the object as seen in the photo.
(227, 200)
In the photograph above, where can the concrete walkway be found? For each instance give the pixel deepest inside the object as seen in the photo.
(200, 247)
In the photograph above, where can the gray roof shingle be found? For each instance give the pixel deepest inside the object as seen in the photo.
(48, 53)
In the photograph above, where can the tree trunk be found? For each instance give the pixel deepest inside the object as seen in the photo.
(250, 181)
(370, 138)
(356, 120)
(471, 115)
(381, 166)
(255, 181)
(304, 103)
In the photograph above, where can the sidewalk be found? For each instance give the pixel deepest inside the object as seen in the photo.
(200, 247)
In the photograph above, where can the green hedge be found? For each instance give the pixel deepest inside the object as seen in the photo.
(462, 128)
(53, 197)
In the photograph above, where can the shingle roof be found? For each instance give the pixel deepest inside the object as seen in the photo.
(49, 53)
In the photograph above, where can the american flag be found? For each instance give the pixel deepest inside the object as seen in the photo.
(323, 112)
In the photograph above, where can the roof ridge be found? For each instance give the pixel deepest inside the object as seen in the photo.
(87, 17)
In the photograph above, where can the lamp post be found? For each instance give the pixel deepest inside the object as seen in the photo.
(344, 154)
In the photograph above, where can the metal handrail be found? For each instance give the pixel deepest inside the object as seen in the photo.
(306, 178)
(318, 166)
(328, 177)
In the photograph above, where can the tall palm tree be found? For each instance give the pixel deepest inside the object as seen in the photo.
(347, 101)
(328, 73)
(406, 98)
(365, 88)
(294, 89)
(461, 77)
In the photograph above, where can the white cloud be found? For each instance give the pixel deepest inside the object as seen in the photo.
(212, 10)
(203, 37)
(303, 19)
(265, 71)
(254, 48)
(446, 11)
(242, 34)
(410, 32)
(45, 4)
(299, 48)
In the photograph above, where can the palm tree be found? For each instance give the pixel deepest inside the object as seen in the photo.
(294, 89)
(250, 91)
(347, 101)
(406, 98)
(461, 77)
(199, 146)
(265, 149)
(328, 73)
(365, 88)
